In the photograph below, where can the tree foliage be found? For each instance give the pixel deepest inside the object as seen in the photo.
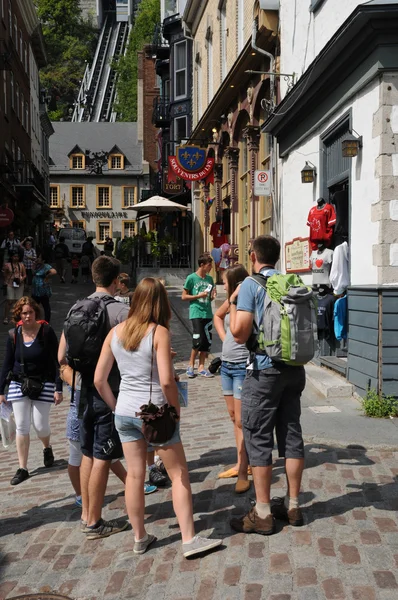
(70, 41)
(148, 17)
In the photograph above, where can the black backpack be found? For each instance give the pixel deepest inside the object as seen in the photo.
(85, 329)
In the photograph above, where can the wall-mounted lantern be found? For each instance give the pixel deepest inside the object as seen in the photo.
(350, 145)
(308, 174)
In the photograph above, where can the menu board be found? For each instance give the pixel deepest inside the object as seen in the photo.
(297, 255)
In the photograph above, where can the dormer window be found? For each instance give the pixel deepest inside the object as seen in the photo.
(77, 161)
(116, 161)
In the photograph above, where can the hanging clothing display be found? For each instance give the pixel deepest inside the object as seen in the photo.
(340, 318)
(325, 316)
(321, 262)
(340, 272)
(225, 249)
(321, 220)
(217, 233)
(216, 254)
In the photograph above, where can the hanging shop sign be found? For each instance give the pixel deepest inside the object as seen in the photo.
(191, 164)
(172, 187)
(262, 183)
(6, 216)
(297, 255)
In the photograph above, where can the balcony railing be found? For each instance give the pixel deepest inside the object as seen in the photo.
(161, 112)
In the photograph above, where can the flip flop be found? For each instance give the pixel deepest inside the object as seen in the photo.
(228, 474)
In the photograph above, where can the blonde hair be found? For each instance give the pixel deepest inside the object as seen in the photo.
(150, 304)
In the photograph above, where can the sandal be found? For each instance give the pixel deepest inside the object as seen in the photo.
(228, 474)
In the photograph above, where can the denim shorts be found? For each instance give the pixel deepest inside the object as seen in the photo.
(232, 378)
(129, 430)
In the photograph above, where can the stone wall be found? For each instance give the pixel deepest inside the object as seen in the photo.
(385, 211)
(89, 9)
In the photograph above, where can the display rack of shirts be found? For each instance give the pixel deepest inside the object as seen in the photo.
(340, 316)
(217, 233)
(321, 263)
(340, 271)
(321, 220)
(325, 304)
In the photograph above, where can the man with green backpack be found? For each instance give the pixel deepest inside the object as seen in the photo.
(275, 315)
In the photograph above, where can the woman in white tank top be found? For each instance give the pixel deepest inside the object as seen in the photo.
(131, 344)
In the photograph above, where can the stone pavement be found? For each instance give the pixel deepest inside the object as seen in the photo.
(348, 548)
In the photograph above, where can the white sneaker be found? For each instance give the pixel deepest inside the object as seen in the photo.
(199, 545)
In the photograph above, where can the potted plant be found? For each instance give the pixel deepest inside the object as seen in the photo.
(147, 238)
(169, 244)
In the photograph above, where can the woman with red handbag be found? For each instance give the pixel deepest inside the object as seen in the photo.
(142, 350)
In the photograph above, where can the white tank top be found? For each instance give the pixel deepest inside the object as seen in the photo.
(135, 373)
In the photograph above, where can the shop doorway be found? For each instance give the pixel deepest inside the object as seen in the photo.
(332, 352)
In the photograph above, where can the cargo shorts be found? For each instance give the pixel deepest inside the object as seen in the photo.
(271, 400)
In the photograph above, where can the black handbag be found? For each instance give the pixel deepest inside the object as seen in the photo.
(31, 386)
(158, 422)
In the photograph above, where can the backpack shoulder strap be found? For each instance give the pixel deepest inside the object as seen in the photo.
(260, 279)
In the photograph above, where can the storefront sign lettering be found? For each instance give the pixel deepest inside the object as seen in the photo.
(104, 215)
(174, 187)
(297, 255)
(206, 173)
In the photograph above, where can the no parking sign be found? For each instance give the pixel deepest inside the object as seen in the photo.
(262, 183)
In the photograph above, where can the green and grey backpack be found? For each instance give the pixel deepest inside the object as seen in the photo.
(288, 332)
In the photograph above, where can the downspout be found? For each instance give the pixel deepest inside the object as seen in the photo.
(271, 60)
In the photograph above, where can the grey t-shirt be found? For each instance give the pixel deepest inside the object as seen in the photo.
(232, 351)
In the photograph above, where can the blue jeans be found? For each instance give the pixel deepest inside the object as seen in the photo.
(232, 378)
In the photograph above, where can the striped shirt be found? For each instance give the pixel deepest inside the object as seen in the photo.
(15, 393)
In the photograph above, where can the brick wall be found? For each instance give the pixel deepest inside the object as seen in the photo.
(147, 92)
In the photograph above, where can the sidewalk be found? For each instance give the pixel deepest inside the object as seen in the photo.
(348, 548)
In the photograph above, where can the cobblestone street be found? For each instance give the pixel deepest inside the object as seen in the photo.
(348, 548)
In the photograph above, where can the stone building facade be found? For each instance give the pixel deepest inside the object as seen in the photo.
(91, 195)
(231, 88)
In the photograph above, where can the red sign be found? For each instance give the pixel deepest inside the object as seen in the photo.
(175, 171)
(6, 217)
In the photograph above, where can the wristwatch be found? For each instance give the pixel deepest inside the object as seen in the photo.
(235, 302)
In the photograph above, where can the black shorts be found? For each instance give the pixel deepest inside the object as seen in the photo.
(98, 435)
(201, 334)
(271, 400)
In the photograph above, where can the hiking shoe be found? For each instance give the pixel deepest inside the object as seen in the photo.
(5, 321)
(106, 528)
(157, 478)
(20, 476)
(294, 516)
(199, 545)
(143, 545)
(251, 523)
(191, 372)
(149, 489)
(205, 373)
(48, 457)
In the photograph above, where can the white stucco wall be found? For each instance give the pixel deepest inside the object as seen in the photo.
(297, 198)
(304, 33)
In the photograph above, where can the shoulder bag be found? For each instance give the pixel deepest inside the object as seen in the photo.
(31, 387)
(158, 422)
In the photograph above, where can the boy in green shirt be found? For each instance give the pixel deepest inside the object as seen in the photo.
(199, 290)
